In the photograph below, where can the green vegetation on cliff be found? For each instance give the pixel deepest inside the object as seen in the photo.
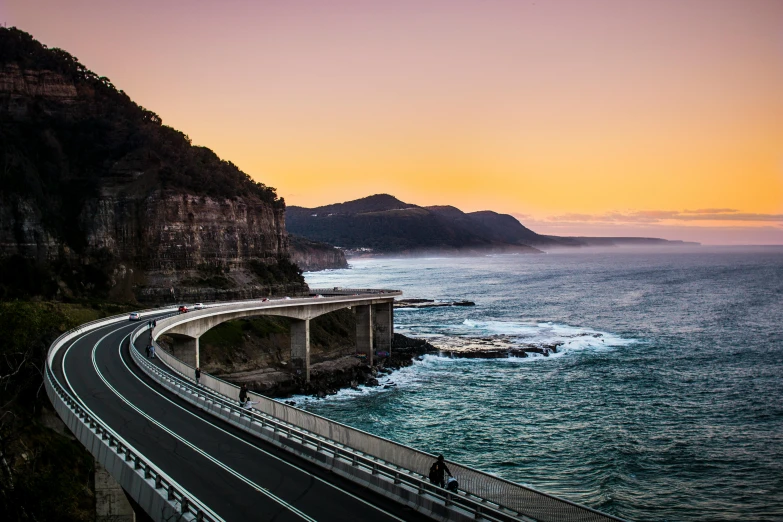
(263, 342)
(90, 182)
(58, 152)
(46, 474)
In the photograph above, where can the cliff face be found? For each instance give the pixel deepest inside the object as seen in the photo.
(104, 200)
(312, 255)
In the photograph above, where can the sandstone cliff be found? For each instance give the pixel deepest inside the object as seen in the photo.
(98, 198)
(313, 255)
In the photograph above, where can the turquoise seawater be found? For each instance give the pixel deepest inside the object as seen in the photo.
(664, 403)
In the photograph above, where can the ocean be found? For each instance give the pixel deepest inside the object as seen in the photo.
(663, 402)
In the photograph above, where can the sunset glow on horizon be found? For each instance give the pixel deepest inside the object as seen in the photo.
(656, 118)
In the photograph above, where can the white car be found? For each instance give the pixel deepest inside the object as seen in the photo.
(134, 316)
(286, 298)
(198, 306)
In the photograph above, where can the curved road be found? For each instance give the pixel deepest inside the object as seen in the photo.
(237, 476)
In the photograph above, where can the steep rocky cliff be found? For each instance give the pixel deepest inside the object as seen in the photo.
(98, 198)
(313, 255)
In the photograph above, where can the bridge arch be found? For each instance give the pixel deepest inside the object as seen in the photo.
(374, 323)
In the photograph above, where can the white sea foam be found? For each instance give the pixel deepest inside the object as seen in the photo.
(570, 339)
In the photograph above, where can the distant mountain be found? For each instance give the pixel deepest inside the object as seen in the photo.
(385, 224)
(388, 225)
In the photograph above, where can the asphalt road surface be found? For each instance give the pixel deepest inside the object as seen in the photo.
(238, 476)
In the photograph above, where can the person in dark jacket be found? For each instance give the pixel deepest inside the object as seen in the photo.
(438, 472)
(198, 374)
(243, 395)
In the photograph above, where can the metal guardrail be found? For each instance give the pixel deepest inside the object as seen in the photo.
(186, 504)
(180, 501)
(510, 497)
(258, 422)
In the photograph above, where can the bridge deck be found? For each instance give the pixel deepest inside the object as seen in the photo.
(237, 475)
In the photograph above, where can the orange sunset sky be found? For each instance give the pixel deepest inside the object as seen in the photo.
(658, 118)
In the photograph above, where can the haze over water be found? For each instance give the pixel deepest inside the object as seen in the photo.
(663, 403)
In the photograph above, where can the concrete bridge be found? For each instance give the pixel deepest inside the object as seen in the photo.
(187, 451)
(374, 322)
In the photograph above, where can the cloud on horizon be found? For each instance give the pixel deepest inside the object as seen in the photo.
(661, 216)
(729, 226)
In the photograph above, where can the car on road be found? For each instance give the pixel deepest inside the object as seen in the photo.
(134, 316)
(183, 309)
(317, 296)
(198, 306)
(286, 298)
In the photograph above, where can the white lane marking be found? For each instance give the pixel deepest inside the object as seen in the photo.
(73, 342)
(192, 446)
(131, 347)
(68, 381)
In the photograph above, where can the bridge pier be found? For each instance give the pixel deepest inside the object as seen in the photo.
(364, 332)
(300, 347)
(111, 503)
(383, 326)
(186, 349)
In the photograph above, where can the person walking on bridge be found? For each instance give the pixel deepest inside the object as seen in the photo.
(243, 395)
(438, 471)
(198, 375)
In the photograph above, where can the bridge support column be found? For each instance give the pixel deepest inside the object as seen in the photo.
(364, 331)
(383, 327)
(186, 349)
(111, 505)
(300, 347)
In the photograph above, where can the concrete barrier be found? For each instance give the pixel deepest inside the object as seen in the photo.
(326, 454)
(505, 500)
(154, 491)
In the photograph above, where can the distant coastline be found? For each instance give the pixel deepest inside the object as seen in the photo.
(384, 225)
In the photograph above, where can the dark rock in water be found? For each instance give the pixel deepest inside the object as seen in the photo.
(373, 382)
(429, 303)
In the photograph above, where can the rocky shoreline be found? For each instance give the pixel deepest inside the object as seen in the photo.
(497, 347)
(329, 377)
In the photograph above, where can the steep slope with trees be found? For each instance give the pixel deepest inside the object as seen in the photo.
(99, 198)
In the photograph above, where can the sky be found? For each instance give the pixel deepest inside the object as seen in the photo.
(660, 118)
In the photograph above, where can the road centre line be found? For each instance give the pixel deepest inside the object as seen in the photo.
(68, 381)
(131, 347)
(192, 446)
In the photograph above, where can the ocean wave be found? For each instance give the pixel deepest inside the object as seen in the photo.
(568, 339)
